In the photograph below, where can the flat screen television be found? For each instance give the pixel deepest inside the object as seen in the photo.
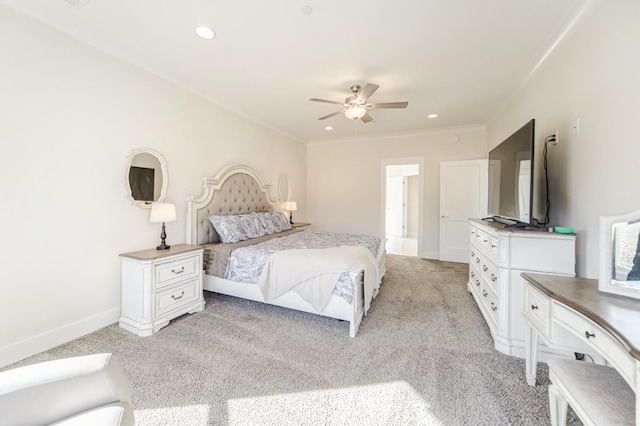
(511, 178)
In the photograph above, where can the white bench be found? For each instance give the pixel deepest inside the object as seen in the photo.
(598, 394)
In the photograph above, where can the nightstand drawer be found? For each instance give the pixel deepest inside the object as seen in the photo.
(174, 298)
(176, 271)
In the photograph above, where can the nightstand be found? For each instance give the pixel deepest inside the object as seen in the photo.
(301, 225)
(160, 285)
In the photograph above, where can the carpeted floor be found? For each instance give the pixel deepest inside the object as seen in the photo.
(423, 356)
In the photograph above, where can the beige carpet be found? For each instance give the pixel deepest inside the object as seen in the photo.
(423, 356)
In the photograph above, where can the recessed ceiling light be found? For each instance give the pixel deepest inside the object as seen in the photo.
(205, 32)
(432, 115)
(328, 128)
(306, 10)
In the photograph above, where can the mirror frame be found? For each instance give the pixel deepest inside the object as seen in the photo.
(606, 283)
(284, 179)
(163, 168)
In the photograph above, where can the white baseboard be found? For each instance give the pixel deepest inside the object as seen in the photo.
(50, 339)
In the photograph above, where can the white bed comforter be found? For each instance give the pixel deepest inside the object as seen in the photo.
(313, 273)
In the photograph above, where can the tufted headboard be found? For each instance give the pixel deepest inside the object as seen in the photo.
(237, 189)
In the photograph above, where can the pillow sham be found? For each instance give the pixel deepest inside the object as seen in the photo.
(280, 221)
(251, 226)
(228, 228)
(267, 223)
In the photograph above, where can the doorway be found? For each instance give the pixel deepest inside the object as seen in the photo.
(402, 206)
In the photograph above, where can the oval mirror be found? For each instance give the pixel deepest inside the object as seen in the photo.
(284, 188)
(620, 254)
(145, 177)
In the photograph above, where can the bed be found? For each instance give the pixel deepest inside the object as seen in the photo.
(291, 276)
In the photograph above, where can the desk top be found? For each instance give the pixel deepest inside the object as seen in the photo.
(618, 315)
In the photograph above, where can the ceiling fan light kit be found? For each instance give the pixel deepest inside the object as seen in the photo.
(355, 107)
(355, 112)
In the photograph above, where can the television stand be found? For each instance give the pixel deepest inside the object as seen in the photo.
(498, 255)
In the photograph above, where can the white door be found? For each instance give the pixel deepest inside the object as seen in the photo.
(463, 195)
(395, 206)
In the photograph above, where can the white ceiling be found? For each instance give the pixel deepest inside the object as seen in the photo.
(461, 59)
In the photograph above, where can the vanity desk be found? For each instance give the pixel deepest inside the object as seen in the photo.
(608, 324)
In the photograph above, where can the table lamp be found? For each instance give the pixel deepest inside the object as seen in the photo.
(161, 213)
(291, 206)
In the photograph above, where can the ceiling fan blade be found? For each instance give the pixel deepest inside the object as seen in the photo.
(368, 90)
(366, 118)
(325, 101)
(330, 115)
(389, 105)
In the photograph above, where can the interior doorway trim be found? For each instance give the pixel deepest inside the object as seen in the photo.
(383, 193)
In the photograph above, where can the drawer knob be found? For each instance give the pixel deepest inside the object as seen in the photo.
(485, 241)
(173, 296)
(477, 283)
(494, 277)
(493, 246)
(534, 307)
(178, 272)
(473, 274)
(484, 293)
(473, 254)
(477, 260)
(493, 307)
(588, 335)
(484, 268)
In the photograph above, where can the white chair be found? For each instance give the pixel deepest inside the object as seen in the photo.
(598, 394)
(84, 390)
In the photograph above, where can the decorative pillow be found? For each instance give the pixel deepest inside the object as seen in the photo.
(280, 221)
(251, 226)
(267, 223)
(228, 228)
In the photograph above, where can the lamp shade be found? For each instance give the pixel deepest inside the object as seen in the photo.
(163, 212)
(355, 112)
(291, 206)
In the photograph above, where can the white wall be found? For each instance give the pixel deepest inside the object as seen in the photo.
(593, 76)
(69, 115)
(345, 179)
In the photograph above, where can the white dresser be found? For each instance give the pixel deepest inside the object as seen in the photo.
(160, 285)
(498, 255)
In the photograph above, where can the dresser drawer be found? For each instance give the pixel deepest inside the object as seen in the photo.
(482, 238)
(537, 307)
(176, 271)
(176, 297)
(474, 279)
(596, 337)
(489, 273)
(490, 302)
(494, 246)
(475, 257)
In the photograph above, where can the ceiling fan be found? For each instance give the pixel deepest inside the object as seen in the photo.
(356, 106)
